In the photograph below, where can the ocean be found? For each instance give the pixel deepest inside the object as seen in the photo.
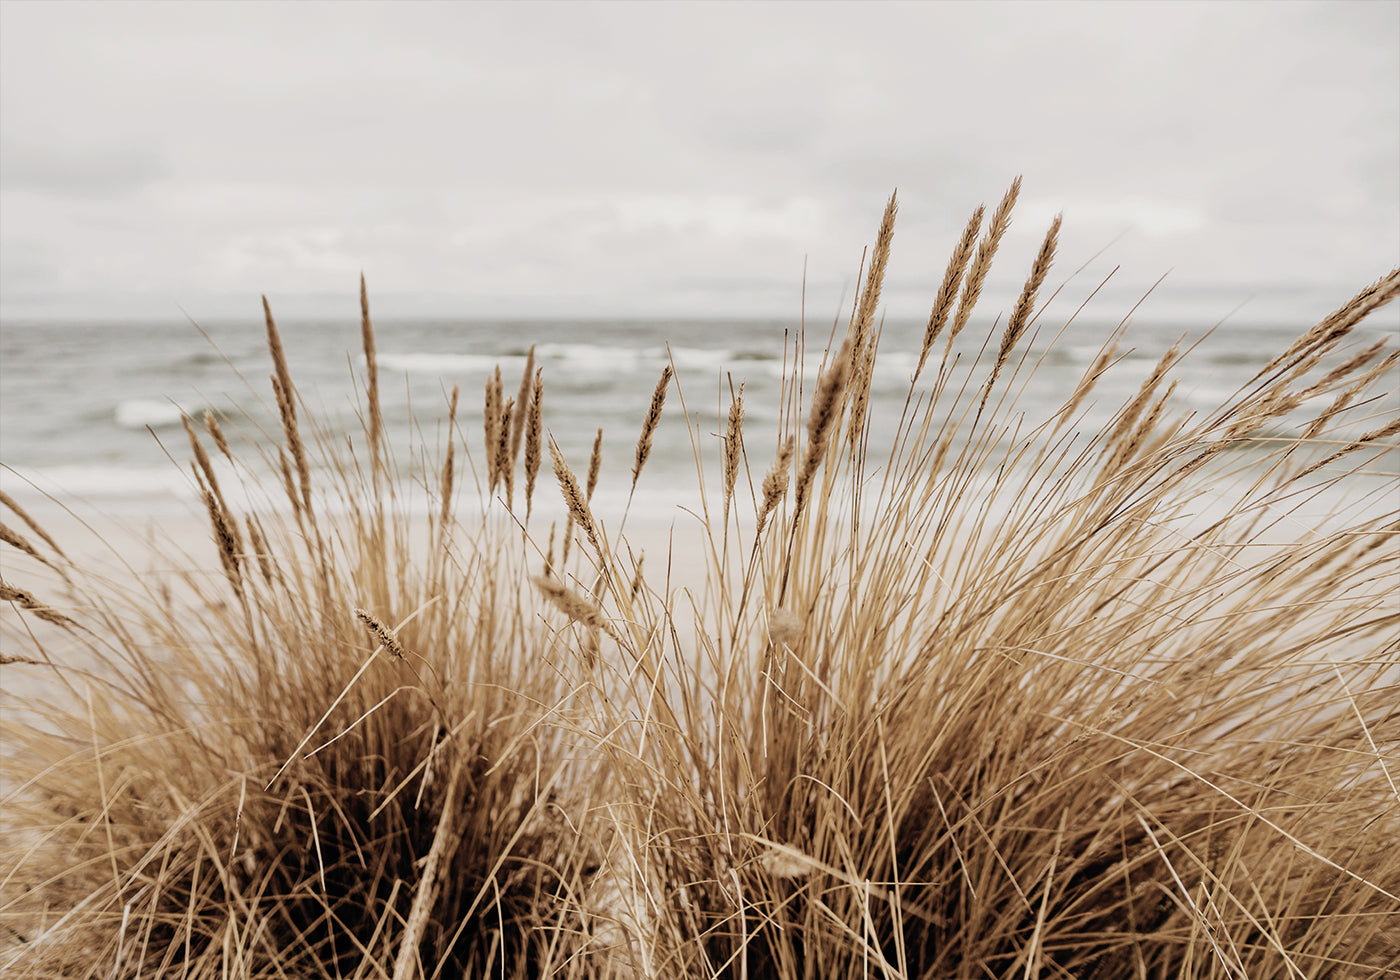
(90, 411)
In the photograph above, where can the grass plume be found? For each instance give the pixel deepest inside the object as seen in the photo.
(649, 424)
(533, 432)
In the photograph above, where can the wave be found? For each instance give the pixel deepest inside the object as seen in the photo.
(88, 481)
(137, 413)
(592, 357)
(575, 357)
(444, 364)
(585, 359)
(135, 488)
(895, 366)
(701, 358)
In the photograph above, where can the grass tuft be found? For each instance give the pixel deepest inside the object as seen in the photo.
(1003, 697)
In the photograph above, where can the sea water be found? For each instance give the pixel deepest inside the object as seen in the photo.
(90, 411)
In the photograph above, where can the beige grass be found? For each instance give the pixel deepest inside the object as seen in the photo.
(996, 699)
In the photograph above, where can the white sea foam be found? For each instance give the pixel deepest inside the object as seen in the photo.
(588, 358)
(443, 364)
(592, 358)
(137, 413)
(153, 489)
(89, 481)
(895, 366)
(1083, 354)
(702, 359)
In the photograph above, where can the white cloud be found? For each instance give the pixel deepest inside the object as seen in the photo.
(624, 156)
(1151, 218)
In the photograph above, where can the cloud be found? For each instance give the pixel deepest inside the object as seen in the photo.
(1152, 218)
(63, 169)
(719, 217)
(533, 156)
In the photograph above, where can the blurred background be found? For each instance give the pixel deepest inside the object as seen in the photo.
(608, 178)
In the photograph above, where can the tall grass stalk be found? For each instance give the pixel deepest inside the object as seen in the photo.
(999, 698)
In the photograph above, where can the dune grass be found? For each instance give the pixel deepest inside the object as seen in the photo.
(997, 699)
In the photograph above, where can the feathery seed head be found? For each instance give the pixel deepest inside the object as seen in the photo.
(653, 418)
(775, 483)
(733, 434)
(382, 633)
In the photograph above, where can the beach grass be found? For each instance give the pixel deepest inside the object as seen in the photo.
(995, 697)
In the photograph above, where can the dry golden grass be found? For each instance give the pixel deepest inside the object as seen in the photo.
(995, 700)
(733, 446)
(948, 291)
(649, 424)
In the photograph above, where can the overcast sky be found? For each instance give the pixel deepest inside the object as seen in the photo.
(560, 159)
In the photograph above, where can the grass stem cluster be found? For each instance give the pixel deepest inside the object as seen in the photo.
(1002, 697)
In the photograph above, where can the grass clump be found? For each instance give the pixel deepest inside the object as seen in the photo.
(998, 698)
(330, 760)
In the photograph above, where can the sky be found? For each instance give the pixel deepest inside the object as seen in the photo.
(159, 160)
